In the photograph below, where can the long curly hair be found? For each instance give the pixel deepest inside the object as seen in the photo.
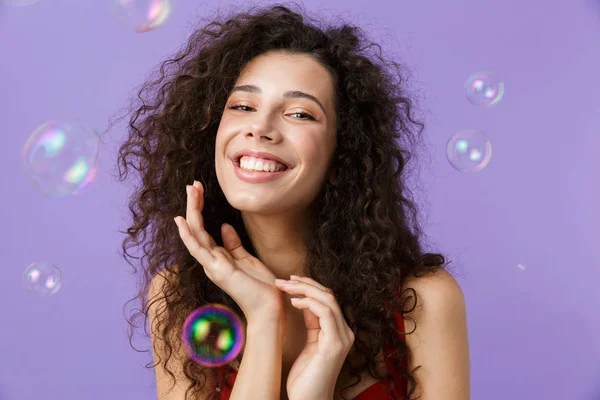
(366, 240)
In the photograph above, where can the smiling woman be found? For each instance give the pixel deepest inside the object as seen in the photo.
(293, 142)
(273, 130)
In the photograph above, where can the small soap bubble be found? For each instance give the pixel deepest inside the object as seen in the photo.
(484, 89)
(213, 335)
(142, 15)
(469, 150)
(60, 158)
(42, 278)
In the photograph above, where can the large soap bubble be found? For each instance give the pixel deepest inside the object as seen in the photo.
(213, 335)
(60, 158)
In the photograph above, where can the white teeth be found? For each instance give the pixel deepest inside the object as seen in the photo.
(253, 164)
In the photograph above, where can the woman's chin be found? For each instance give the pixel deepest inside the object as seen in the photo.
(255, 206)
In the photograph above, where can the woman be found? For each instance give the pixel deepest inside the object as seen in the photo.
(331, 131)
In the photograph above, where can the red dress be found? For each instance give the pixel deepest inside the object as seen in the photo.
(377, 391)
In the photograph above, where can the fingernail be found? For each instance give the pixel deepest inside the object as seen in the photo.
(294, 276)
(188, 189)
(176, 221)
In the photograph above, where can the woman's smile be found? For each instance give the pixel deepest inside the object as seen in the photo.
(257, 176)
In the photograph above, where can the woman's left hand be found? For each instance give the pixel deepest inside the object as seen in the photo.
(314, 374)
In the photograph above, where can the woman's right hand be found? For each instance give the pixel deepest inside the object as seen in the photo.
(244, 277)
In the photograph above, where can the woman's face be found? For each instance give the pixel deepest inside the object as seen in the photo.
(269, 121)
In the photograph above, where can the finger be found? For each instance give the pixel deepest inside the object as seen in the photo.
(200, 253)
(232, 242)
(194, 218)
(200, 188)
(195, 205)
(332, 333)
(310, 281)
(310, 291)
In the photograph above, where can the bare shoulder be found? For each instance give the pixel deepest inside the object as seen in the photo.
(169, 387)
(440, 300)
(439, 339)
(439, 289)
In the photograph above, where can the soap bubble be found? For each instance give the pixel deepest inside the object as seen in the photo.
(142, 15)
(484, 89)
(469, 150)
(213, 335)
(60, 158)
(42, 278)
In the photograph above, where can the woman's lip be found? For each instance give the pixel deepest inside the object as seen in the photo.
(257, 176)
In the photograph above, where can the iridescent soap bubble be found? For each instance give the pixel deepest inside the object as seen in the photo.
(60, 158)
(213, 335)
(484, 89)
(142, 15)
(469, 150)
(42, 278)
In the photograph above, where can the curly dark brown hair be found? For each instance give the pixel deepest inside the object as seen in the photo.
(171, 143)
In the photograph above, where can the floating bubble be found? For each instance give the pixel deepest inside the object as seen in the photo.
(142, 15)
(469, 150)
(42, 278)
(213, 335)
(484, 89)
(60, 158)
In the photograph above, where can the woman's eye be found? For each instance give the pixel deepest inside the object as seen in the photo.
(236, 107)
(308, 116)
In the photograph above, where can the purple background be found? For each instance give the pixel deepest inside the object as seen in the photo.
(534, 331)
